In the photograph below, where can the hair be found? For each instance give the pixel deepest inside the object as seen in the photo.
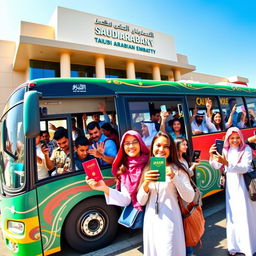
(171, 122)
(154, 112)
(108, 127)
(42, 132)
(230, 100)
(221, 123)
(93, 125)
(173, 157)
(81, 141)
(177, 142)
(60, 133)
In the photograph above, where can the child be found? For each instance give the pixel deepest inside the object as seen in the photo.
(81, 152)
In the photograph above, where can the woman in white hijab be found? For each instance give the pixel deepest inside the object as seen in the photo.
(149, 131)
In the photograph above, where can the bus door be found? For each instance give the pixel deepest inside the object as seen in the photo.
(146, 110)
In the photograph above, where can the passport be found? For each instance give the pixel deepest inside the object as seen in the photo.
(92, 169)
(159, 163)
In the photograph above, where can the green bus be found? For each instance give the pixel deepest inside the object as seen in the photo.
(37, 215)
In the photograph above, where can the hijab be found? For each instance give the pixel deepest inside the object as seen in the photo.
(226, 145)
(134, 167)
(151, 133)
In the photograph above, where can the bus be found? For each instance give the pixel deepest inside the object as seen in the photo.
(38, 215)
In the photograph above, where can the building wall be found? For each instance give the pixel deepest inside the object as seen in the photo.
(9, 79)
(203, 78)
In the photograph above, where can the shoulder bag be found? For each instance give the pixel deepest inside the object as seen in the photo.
(131, 217)
(193, 219)
(250, 183)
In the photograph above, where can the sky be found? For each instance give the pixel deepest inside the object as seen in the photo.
(218, 36)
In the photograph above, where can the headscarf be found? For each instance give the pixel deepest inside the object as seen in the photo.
(134, 165)
(226, 145)
(151, 133)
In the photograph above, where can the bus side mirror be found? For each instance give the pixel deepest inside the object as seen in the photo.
(31, 114)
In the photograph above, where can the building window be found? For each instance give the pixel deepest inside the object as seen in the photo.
(115, 73)
(164, 78)
(82, 71)
(43, 69)
(147, 76)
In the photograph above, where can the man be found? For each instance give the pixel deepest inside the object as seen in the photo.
(60, 158)
(51, 144)
(102, 147)
(198, 124)
(76, 131)
(96, 117)
(155, 118)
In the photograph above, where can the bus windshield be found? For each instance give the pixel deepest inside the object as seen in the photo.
(13, 148)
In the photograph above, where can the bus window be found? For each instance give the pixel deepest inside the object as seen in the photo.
(205, 116)
(234, 111)
(251, 106)
(145, 118)
(13, 155)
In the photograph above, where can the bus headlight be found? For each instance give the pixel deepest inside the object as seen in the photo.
(16, 227)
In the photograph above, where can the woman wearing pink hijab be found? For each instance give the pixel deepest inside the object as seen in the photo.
(127, 168)
(240, 210)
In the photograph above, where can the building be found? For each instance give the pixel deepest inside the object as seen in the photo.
(78, 44)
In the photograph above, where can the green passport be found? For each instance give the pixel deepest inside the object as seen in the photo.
(159, 163)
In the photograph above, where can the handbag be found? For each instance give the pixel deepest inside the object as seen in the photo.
(193, 218)
(250, 183)
(131, 217)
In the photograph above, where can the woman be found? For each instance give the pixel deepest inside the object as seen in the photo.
(127, 168)
(175, 127)
(163, 228)
(111, 133)
(240, 210)
(184, 159)
(214, 120)
(183, 155)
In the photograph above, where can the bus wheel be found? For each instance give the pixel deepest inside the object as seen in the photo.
(91, 225)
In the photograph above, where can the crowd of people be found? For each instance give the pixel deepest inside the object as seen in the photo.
(163, 136)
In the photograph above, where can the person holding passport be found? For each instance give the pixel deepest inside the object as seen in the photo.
(236, 159)
(163, 228)
(127, 167)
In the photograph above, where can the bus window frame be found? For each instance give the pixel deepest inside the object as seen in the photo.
(182, 98)
(68, 118)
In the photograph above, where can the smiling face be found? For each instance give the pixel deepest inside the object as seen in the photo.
(131, 146)
(234, 140)
(176, 126)
(161, 147)
(183, 147)
(217, 118)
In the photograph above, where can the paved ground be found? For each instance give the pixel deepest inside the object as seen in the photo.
(129, 242)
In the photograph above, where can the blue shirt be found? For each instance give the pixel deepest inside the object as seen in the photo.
(110, 147)
(78, 161)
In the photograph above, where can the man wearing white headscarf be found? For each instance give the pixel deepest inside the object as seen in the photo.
(149, 131)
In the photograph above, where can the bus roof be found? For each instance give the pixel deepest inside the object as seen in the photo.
(80, 87)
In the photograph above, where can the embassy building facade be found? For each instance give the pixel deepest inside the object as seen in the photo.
(78, 44)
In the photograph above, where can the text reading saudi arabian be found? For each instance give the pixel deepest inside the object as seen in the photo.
(134, 39)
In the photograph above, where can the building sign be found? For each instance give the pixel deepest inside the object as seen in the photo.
(91, 33)
(120, 35)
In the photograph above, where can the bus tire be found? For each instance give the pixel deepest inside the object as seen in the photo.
(91, 225)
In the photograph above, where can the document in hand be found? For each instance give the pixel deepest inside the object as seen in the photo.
(92, 169)
(159, 163)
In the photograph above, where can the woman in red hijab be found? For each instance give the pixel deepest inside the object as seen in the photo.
(240, 210)
(127, 168)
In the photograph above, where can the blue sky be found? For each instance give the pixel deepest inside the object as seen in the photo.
(218, 36)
